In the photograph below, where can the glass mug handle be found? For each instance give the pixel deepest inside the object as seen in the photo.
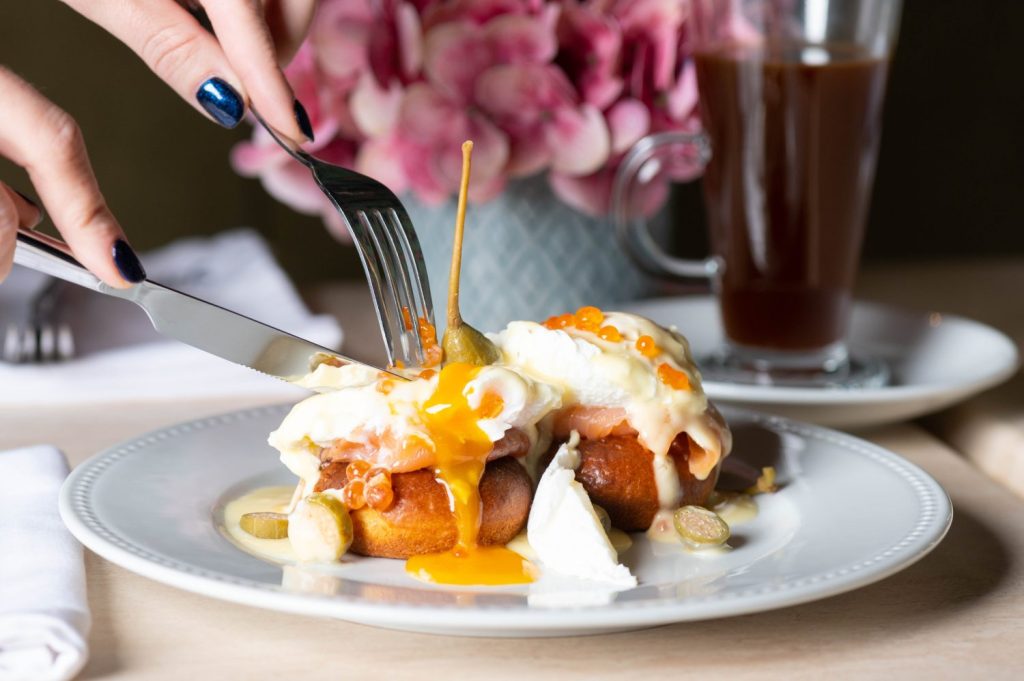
(643, 165)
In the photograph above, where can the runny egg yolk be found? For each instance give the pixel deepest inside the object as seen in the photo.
(461, 454)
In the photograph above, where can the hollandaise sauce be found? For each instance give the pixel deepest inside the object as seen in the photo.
(462, 448)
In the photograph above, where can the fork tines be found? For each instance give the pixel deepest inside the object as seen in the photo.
(394, 265)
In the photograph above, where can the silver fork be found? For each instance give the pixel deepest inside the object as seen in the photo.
(41, 340)
(387, 246)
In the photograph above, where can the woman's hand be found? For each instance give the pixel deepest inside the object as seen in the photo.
(219, 75)
(46, 141)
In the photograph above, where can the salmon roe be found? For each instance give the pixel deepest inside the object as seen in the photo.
(357, 470)
(354, 494)
(562, 321)
(386, 386)
(432, 352)
(673, 378)
(427, 374)
(367, 485)
(407, 318)
(379, 474)
(589, 318)
(646, 346)
(491, 405)
(379, 497)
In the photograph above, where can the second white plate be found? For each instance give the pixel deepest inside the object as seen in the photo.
(936, 360)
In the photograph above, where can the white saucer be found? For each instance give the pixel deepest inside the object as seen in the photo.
(936, 360)
(154, 505)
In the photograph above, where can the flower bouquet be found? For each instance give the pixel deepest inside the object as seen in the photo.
(552, 90)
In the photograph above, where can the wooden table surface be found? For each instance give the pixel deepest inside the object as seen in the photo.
(958, 612)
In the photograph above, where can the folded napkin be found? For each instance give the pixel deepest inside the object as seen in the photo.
(119, 355)
(44, 616)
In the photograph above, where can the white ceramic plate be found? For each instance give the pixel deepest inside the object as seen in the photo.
(936, 360)
(849, 513)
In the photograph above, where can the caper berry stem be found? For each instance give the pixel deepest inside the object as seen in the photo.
(454, 316)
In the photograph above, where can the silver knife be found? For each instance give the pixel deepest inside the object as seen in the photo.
(190, 320)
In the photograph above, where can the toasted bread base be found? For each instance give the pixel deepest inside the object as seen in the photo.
(420, 519)
(618, 474)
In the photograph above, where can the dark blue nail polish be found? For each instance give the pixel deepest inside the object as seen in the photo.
(303, 120)
(221, 101)
(127, 262)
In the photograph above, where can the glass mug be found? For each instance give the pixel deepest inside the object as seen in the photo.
(791, 95)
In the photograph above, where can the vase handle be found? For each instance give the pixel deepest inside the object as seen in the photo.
(643, 165)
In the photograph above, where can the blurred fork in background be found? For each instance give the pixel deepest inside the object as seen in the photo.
(42, 337)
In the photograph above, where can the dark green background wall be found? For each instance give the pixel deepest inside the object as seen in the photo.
(950, 179)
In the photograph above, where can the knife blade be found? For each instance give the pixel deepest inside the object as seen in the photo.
(193, 321)
(227, 334)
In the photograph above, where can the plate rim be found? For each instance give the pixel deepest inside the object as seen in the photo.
(933, 522)
(790, 396)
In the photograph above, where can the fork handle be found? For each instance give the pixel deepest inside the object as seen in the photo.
(53, 257)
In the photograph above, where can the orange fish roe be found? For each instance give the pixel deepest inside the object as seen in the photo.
(407, 317)
(427, 374)
(491, 405)
(562, 321)
(379, 497)
(357, 470)
(366, 485)
(432, 352)
(610, 334)
(673, 378)
(385, 386)
(378, 473)
(646, 346)
(354, 494)
(589, 318)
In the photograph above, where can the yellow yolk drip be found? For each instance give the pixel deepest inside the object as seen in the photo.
(461, 453)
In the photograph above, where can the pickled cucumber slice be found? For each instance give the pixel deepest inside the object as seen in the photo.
(700, 528)
(265, 525)
(320, 529)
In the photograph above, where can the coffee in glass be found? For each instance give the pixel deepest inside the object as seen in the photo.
(791, 98)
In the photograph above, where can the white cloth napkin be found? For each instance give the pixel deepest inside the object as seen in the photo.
(121, 357)
(44, 615)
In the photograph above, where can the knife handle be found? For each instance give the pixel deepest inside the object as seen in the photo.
(53, 257)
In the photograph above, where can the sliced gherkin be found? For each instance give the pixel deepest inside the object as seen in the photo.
(699, 527)
(265, 525)
(320, 529)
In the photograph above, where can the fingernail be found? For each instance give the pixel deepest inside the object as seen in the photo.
(221, 101)
(127, 262)
(303, 120)
(31, 202)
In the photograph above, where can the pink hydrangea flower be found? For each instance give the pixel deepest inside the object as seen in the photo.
(565, 87)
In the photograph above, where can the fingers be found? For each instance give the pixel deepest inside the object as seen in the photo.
(217, 80)
(29, 213)
(9, 221)
(46, 141)
(289, 22)
(243, 33)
